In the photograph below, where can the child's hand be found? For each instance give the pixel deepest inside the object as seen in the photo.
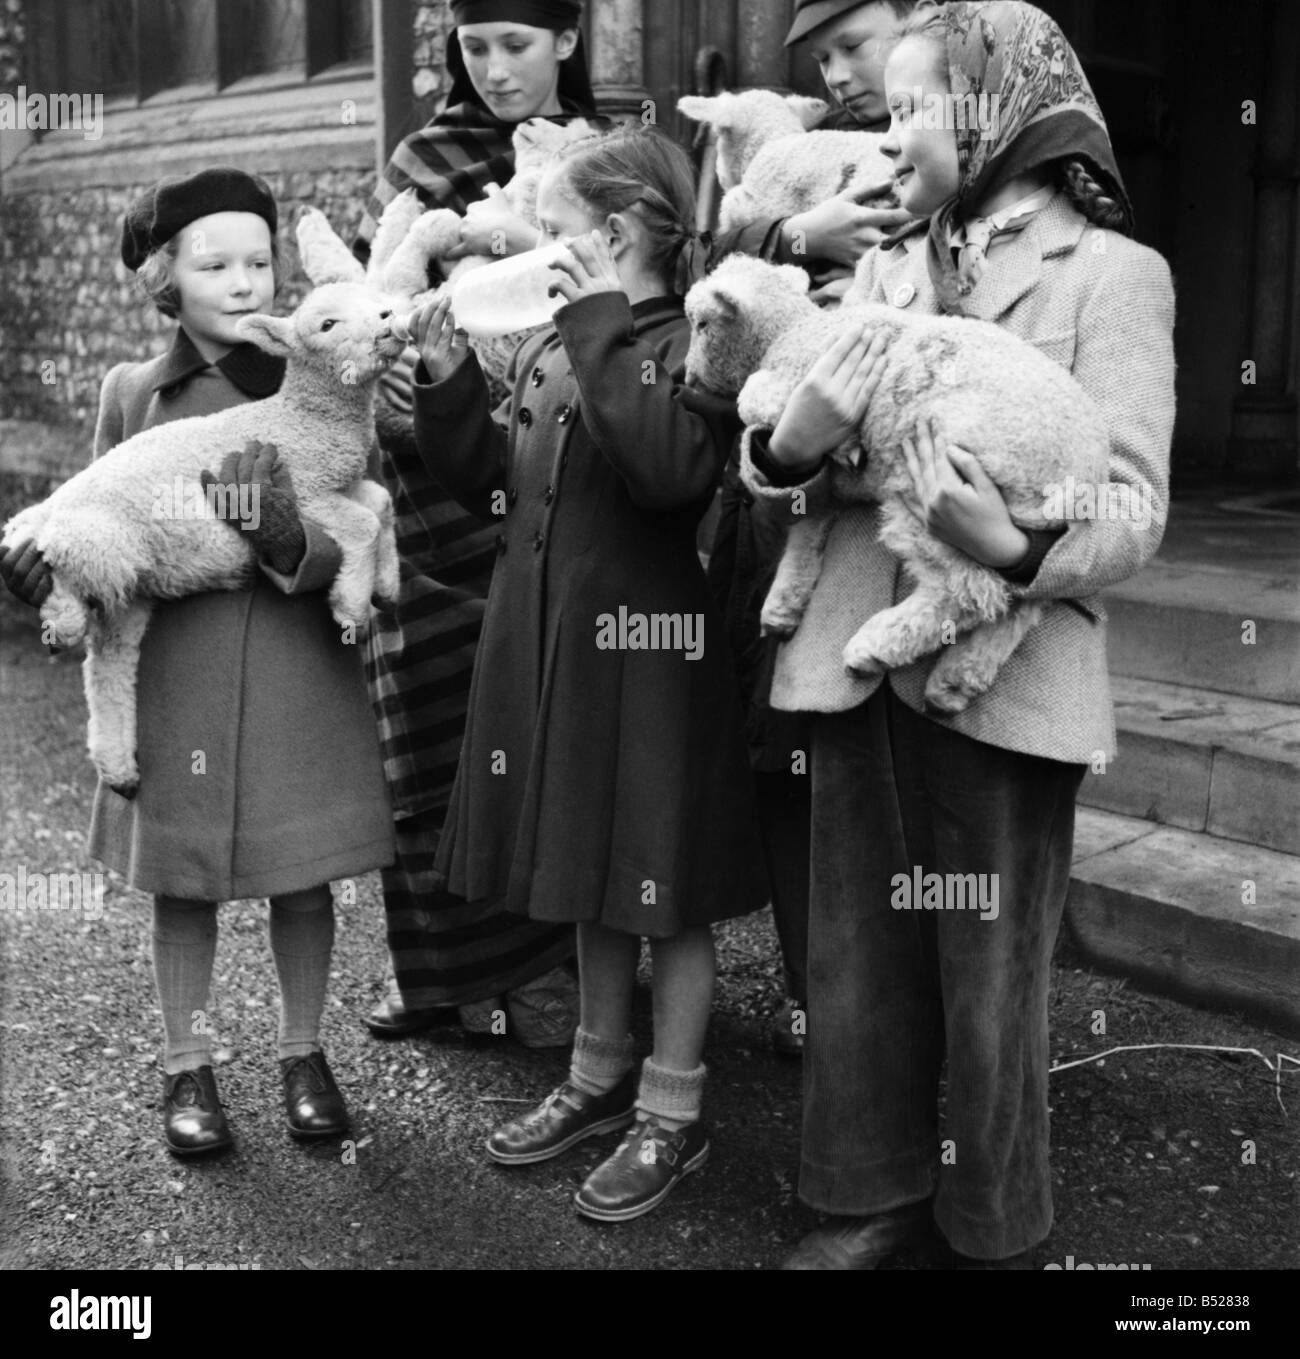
(586, 270)
(441, 343)
(958, 501)
(827, 408)
(843, 229)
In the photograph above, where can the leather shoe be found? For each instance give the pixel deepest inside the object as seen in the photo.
(564, 1117)
(193, 1121)
(643, 1171)
(787, 1035)
(861, 1242)
(313, 1104)
(391, 1019)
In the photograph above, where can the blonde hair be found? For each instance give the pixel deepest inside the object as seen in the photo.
(156, 277)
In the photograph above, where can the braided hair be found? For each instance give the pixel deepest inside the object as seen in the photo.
(637, 167)
(1088, 196)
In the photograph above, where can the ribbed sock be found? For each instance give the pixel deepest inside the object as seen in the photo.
(672, 1098)
(598, 1064)
(184, 947)
(302, 939)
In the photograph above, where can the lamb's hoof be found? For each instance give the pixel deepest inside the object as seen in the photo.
(862, 664)
(383, 603)
(126, 790)
(778, 622)
(944, 695)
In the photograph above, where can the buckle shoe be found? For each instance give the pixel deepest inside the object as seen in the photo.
(194, 1123)
(643, 1171)
(564, 1117)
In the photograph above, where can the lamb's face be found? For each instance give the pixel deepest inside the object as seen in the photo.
(537, 143)
(349, 330)
(736, 313)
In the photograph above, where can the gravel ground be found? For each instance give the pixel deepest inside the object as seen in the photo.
(1151, 1151)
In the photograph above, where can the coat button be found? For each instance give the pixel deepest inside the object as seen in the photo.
(903, 294)
(549, 496)
(538, 540)
(564, 458)
(512, 495)
(538, 375)
(501, 544)
(525, 416)
(564, 415)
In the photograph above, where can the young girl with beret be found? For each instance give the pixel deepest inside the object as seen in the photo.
(260, 773)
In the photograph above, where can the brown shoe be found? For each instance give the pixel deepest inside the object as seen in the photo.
(313, 1104)
(564, 1117)
(861, 1242)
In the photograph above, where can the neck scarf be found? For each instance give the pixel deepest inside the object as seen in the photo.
(1011, 60)
(972, 238)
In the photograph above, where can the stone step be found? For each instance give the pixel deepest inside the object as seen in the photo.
(1204, 919)
(1185, 623)
(1203, 761)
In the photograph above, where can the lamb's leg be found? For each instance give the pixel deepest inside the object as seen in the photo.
(898, 636)
(388, 566)
(112, 663)
(356, 530)
(796, 575)
(968, 667)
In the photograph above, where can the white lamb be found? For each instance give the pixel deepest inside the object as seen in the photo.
(137, 525)
(537, 142)
(771, 165)
(756, 331)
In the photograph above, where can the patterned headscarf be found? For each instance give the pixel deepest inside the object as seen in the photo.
(1011, 61)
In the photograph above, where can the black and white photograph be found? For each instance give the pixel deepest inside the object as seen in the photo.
(651, 635)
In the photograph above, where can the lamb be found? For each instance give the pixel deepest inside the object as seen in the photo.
(537, 142)
(755, 330)
(771, 165)
(137, 524)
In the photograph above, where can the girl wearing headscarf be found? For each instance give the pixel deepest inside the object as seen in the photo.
(1024, 222)
(510, 60)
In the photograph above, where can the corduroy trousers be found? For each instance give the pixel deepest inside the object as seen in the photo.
(939, 872)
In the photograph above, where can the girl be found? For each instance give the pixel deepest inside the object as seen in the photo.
(1026, 224)
(260, 773)
(510, 60)
(602, 782)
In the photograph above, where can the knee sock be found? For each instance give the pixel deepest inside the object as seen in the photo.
(671, 1098)
(302, 938)
(184, 946)
(598, 1064)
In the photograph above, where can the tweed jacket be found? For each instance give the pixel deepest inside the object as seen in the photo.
(1103, 307)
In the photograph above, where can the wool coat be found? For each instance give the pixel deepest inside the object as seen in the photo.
(599, 780)
(259, 760)
(1102, 306)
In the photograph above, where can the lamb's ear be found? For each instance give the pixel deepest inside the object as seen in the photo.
(325, 259)
(271, 333)
(396, 221)
(701, 109)
(809, 111)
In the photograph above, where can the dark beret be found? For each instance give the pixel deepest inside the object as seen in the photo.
(173, 203)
